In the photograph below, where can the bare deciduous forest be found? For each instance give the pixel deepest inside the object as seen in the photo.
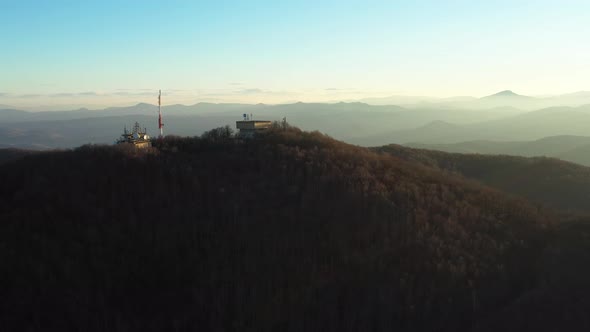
(290, 231)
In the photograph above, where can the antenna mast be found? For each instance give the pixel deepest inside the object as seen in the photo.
(160, 124)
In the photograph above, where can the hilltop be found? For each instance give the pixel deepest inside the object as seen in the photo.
(291, 231)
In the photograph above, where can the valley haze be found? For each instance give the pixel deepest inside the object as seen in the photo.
(501, 123)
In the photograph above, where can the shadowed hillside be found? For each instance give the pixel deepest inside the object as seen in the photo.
(9, 154)
(292, 231)
(561, 299)
(555, 183)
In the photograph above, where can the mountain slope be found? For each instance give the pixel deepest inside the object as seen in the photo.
(293, 231)
(575, 149)
(557, 184)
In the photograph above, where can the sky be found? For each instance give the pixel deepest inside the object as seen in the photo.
(115, 52)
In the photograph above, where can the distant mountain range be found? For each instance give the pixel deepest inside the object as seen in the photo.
(505, 98)
(506, 126)
(554, 121)
(341, 120)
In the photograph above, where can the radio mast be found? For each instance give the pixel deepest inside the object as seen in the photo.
(160, 124)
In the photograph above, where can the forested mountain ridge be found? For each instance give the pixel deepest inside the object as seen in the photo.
(9, 154)
(555, 183)
(570, 148)
(291, 231)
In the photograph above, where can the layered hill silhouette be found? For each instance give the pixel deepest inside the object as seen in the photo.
(498, 117)
(535, 125)
(554, 183)
(290, 231)
(506, 98)
(570, 148)
(66, 129)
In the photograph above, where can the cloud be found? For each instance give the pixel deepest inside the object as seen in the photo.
(346, 90)
(138, 92)
(113, 97)
(146, 93)
(118, 92)
(63, 94)
(250, 91)
(214, 94)
(149, 91)
(257, 91)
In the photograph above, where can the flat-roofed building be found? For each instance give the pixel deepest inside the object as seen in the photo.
(249, 128)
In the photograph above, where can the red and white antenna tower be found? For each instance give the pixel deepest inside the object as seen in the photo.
(160, 124)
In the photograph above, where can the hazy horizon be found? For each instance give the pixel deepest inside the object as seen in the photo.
(71, 101)
(99, 54)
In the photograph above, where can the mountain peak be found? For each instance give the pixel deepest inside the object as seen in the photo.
(144, 105)
(505, 93)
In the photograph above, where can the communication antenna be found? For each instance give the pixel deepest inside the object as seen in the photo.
(160, 124)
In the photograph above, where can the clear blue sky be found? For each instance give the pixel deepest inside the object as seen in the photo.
(271, 51)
